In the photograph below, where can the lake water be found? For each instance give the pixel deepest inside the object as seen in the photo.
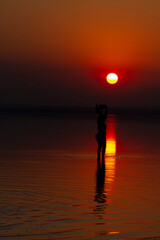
(50, 187)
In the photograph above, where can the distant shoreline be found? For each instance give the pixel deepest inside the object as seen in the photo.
(53, 110)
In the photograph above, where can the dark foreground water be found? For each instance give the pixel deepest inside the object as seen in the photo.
(50, 187)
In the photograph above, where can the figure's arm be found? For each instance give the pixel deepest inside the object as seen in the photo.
(100, 107)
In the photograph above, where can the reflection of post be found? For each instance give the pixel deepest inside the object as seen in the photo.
(110, 161)
(100, 196)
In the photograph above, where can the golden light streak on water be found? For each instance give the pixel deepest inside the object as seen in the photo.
(111, 136)
(113, 232)
(110, 154)
(111, 147)
(110, 169)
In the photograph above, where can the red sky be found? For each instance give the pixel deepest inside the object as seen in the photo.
(58, 52)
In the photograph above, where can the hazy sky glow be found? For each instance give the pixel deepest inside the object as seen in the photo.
(58, 52)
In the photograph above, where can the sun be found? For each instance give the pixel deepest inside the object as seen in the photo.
(112, 78)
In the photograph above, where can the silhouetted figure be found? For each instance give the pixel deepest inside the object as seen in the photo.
(101, 135)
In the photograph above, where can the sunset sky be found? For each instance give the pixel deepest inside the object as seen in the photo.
(58, 52)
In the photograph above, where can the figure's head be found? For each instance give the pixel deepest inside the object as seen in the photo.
(101, 109)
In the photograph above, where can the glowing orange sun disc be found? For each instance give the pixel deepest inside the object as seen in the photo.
(112, 78)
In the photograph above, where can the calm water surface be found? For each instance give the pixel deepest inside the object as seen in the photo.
(50, 187)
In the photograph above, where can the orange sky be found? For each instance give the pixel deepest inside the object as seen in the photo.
(82, 39)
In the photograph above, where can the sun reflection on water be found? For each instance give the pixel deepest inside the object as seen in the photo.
(110, 154)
